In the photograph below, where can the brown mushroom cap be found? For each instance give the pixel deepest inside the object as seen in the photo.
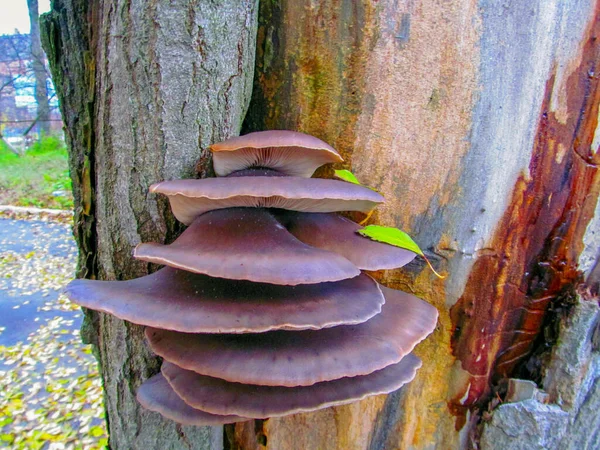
(247, 244)
(191, 198)
(155, 394)
(222, 397)
(301, 358)
(339, 235)
(178, 300)
(289, 152)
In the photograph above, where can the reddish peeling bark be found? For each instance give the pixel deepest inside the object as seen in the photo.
(538, 241)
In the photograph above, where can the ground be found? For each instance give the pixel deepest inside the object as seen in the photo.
(50, 391)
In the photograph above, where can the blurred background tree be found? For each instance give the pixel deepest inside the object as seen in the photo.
(28, 104)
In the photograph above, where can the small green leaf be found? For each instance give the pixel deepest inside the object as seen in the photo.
(396, 237)
(392, 236)
(6, 437)
(5, 421)
(346, 175)
(97, 431)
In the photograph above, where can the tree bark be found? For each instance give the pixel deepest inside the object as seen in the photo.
(144, 89)
(477, 121)
(39, 69)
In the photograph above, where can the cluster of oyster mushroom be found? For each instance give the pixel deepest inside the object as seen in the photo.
(263, 310)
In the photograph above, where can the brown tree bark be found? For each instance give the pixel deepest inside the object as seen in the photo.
(478, 123)
(39, 69)
(144, 89)
(477, 120)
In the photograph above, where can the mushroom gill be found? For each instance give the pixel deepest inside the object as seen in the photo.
(263, 310)
(191, 198)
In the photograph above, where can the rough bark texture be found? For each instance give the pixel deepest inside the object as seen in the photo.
(477, 121)
(39, 68)
(144, 87)
(572, 380)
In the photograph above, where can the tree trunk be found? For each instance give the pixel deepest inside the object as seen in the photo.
(39, 69)
(144, 89)
(476, 120)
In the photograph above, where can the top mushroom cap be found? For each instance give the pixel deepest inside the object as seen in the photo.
(339, 235)
(289, 152)
(191, 198)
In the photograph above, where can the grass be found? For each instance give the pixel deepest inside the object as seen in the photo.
(38, 178)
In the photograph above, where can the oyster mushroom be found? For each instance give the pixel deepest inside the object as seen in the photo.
(173, 299)
(263, 310)
(191, 198)
(288, 152)
(247, 244)
(337, 234)
(221, 397)
(302, 358)
(155, 394)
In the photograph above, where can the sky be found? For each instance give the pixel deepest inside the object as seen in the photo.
(14, 15)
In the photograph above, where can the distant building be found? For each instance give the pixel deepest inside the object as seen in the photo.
(18, 107)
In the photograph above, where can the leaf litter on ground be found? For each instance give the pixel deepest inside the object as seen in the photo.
(50, 388)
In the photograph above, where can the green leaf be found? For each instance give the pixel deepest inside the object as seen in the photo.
(396, 237)
(5, 421)
(346, 175)
(97, 431)
(5, 437)
(392, 236)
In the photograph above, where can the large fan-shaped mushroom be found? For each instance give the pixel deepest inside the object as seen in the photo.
(294, 358)
(174, 299)
(221, 397)
(338, 234)
(263, 310)
(247, 244)
(157, 395)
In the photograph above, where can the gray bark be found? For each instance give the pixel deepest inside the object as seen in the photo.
(567, 417)
(39, 69)
(144, 89)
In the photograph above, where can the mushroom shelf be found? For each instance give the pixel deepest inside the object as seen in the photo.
(263, 309)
